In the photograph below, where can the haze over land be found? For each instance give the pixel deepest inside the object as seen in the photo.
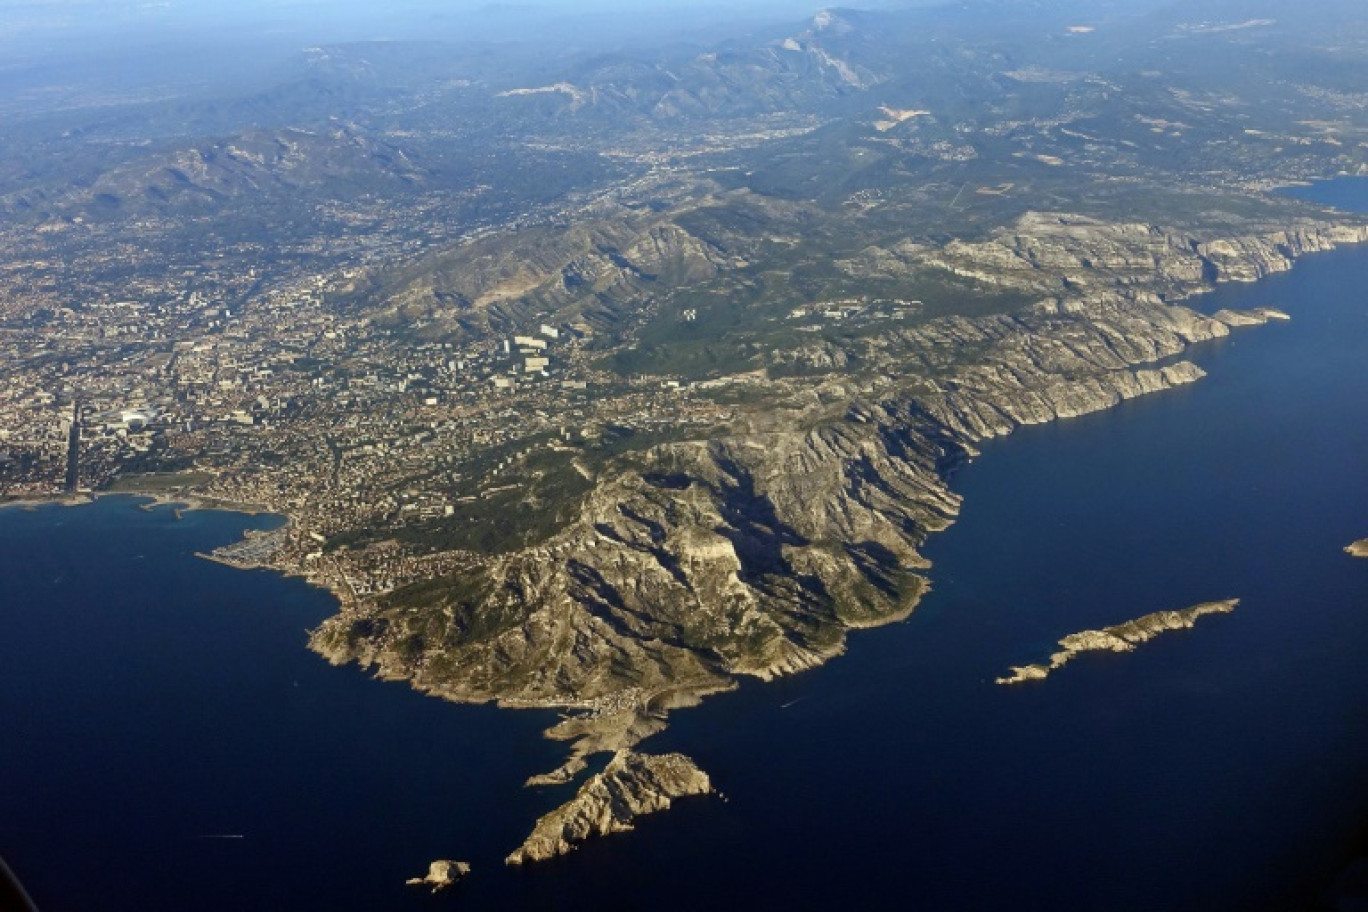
(602, 358)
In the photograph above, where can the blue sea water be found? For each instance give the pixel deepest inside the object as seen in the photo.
(1347, 193)
(150, 699)
(155, 707)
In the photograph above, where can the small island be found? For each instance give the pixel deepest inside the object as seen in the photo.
(1118, 638)
(441, 874)
(1358, 548)
(630, 786)
(1255, 317)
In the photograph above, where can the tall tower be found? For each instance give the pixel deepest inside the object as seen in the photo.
(73, 466)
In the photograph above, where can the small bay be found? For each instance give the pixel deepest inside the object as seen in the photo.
(152, 699)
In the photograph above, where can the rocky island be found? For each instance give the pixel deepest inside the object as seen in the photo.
(1117, 638)
(630, 786)
(441, 874)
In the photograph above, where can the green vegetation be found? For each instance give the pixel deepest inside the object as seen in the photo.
(503, 521)
(746, 324)
(445, 613)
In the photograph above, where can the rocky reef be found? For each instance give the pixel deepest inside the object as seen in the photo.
(1117, 638)
(441, 874)
(1358, 548)
(630, 786)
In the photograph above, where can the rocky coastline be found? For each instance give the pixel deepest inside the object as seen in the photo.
(1122, 637)
(754, 552)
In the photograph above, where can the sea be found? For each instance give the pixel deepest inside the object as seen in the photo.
(168, 743)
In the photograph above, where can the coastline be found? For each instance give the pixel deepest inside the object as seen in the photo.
(31, 502)
(909, 678)
(185, 503)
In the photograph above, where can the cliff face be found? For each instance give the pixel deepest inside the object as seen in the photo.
(1252, 258)
(631, 786)
(1057, 363)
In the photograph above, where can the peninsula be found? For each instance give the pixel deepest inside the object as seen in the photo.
(1358, 548)
(1117, 638)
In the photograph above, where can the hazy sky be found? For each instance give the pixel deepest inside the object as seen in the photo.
(166, 43)
(357, 18)
(29, 27)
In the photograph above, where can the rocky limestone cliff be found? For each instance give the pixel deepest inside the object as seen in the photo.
(1118, 638)
(630, 786)
(1050, 253)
